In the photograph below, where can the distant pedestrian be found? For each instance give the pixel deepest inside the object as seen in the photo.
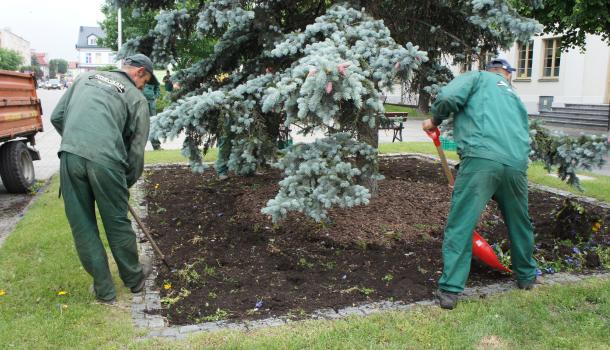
(152, 92)
(167, 81)
(492, 136)
(103, 119)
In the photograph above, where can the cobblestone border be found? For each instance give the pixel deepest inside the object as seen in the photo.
(157, 326)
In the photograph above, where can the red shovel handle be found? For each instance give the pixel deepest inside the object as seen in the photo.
(435, 135)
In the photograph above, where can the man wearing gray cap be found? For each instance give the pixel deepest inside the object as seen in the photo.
(492, 136)
(103, 119)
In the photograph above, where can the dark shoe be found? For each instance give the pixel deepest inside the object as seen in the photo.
(99, 300)
(447, 300)
(106, 302)
(528, 285)
(146, 270)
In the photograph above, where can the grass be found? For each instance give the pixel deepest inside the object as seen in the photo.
(413, 112)
(569, 317)
(173, 156)
(38, 261)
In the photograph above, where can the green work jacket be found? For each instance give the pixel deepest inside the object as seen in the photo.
(103, 117)
(490, 121)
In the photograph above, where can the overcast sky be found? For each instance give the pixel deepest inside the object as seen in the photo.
(50, 26)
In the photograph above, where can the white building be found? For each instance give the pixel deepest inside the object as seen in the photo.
(90, 54)
(563, 77)
(12, 41)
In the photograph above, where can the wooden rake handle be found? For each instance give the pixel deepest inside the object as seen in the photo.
(435, 136)
(148, 236)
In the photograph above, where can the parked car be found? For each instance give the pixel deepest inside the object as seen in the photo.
(53, 84)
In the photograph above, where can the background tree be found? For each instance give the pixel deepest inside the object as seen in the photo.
(10, 60)
(33, 68)
(57, 66)
(572, 19)
(138, 20)
(310, 65)
(62, 66)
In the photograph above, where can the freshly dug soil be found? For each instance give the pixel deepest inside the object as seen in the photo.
(235, 264)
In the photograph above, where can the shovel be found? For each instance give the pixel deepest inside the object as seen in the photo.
(480, 248)
(149, 237)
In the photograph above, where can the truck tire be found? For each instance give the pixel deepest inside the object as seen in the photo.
(16, 167)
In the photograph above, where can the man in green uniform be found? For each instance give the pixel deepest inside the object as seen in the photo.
(491, 133)
(103, 120)
(152, 92)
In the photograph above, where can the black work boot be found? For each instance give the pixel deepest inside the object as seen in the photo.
(447, 300)
(101, 301)
(146, 270)
(528, 285)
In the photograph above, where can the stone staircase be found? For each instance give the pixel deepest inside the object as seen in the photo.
(572, 115)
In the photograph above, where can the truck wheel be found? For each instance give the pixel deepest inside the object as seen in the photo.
(16, 167)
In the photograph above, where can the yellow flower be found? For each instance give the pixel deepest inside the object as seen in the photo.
(167, 285)
(156, 186)
(2, 292)
(62, 292)
(596, 227)
(64, 306)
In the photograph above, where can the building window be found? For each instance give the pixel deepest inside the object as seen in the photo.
(552, 58)
(88, 57)
(92, 40)
(524, 64)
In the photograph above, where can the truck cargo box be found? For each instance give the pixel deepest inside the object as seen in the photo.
(20, 120)
(20, 109)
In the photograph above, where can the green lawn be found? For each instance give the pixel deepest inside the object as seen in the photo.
(413, 112)
(38, 261)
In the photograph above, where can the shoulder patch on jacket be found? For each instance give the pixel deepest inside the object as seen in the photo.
(502, 84)
(118, 85)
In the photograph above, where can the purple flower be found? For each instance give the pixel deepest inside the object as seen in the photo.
(259, 304)
(549, 270)
(576, 250)
(538, 272)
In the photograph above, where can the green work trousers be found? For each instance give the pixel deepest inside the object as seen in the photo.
(225, 146)
(152, 108)
(477, 181)
(83, 184)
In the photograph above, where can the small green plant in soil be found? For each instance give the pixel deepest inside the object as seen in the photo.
(173, 297)
(218, 315)
(305, 264)
(329, 265)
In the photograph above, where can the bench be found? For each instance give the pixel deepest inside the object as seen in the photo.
(394, 121)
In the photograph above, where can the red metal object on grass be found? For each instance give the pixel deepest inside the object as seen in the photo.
(480, 248)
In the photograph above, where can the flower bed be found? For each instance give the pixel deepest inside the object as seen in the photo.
(233, 263)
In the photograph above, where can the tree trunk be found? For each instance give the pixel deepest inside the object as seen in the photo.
(423, 102)
(370, 137)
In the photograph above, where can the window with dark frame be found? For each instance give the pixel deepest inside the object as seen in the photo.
(524, 63)
(552, 58)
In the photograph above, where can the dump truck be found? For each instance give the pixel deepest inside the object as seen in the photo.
(20, 120)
